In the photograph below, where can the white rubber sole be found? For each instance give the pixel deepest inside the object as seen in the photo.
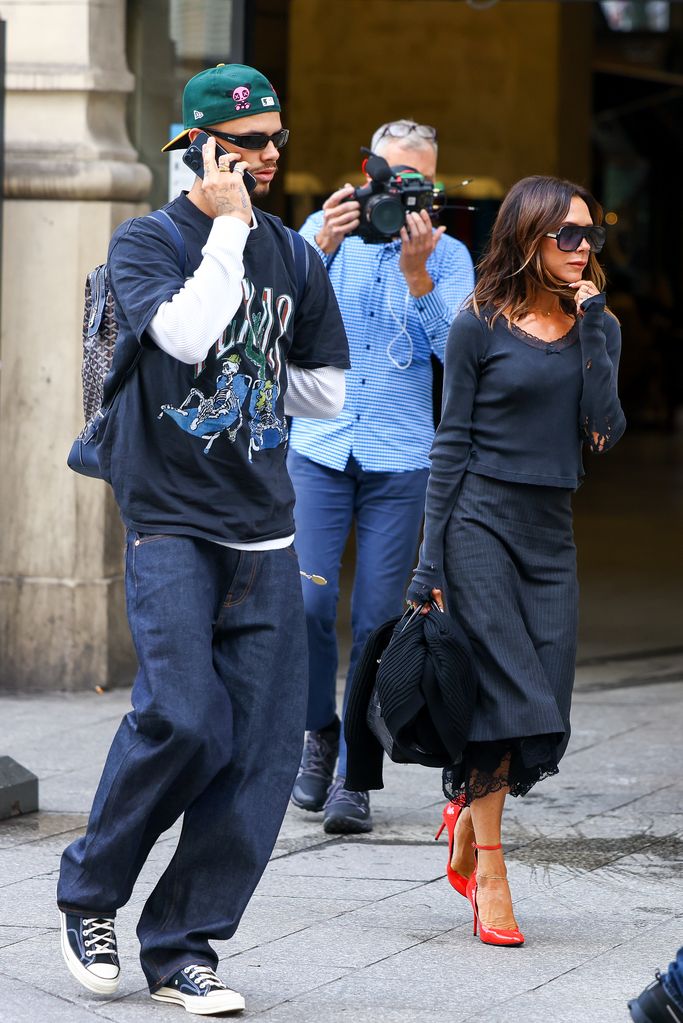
(202, 1005)
(97, 985)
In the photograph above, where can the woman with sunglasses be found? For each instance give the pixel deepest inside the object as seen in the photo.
(530, 378)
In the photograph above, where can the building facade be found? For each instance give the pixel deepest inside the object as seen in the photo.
(93, 88)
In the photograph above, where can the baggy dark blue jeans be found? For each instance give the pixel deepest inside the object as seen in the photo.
(215, 734)
(387, 508)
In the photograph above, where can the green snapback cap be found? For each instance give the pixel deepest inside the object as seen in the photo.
(223, 93)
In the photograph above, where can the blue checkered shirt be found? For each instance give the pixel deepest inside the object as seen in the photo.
(387, 421)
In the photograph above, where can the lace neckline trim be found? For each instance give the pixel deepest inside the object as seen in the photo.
(536, 342)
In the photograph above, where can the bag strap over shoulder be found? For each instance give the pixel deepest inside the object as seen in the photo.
(300, 252)
(173, 231)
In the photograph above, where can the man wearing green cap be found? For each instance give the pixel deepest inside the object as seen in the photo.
(246, 333)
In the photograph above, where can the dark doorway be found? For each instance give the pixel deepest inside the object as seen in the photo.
(637, 152)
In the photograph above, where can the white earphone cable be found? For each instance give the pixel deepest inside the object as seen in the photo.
(402, 325)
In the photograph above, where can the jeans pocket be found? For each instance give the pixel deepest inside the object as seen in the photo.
(243, 578)
(141, 538)
(135, 541)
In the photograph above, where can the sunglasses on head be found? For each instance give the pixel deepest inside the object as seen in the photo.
(570, 236)
(257, 140)
(400, 129)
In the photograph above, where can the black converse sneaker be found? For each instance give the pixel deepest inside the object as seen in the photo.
(89, 950)
(654, 1005)
(199, 990)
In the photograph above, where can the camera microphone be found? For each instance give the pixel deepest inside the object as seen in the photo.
(390, 194)
(376, 167)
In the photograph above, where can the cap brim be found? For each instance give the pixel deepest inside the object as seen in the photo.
(181, 141)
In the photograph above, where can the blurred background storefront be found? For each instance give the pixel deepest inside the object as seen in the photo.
(587, 90)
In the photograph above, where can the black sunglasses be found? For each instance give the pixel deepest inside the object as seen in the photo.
(259, 140)
(570, 236)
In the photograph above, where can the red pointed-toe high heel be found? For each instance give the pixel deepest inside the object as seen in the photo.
(451, 812)
(490, 935)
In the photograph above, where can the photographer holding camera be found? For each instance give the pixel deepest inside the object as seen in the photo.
(399, 288)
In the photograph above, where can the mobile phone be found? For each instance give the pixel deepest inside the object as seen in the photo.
(194, 159)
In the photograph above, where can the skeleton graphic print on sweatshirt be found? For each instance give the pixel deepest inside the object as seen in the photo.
(200, 449)
(247, 385)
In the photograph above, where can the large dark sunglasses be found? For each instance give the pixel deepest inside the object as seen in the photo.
(569, 238)
(259, 140)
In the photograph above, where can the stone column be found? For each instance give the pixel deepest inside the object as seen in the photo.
(71, 177)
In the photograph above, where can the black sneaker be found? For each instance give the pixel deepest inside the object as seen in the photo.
(89, 950)
(316, 772)
(654, 1005)
(200, 991)
(346, 813)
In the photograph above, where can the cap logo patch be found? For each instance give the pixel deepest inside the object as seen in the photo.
(197, 114)
(267, 101)
(241, 95)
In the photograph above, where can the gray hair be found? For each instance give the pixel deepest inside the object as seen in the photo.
(410, 140)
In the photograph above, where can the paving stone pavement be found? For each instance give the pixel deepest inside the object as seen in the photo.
(367, 929)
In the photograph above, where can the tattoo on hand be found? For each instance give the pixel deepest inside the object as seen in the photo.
(226, 204)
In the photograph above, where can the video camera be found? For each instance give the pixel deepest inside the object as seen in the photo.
(391, 193)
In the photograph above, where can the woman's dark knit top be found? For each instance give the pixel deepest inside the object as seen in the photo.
(518, 409)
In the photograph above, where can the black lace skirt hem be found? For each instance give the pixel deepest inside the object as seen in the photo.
(513, 764)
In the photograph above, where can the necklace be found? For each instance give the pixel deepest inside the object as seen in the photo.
(540, 313)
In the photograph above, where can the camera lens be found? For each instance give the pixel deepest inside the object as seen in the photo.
(386, 214)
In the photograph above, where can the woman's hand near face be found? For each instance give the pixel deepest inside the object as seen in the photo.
(583, 290)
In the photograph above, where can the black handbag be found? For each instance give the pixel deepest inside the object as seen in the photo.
(375, 718)
(424, 739)
(412, 697)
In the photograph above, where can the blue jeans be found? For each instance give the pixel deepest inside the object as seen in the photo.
(387, 508)
(672, 980)
(215, 734)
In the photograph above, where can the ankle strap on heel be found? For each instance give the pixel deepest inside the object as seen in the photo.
(488, 848)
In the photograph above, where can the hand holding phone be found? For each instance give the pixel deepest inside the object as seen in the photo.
(193, 157)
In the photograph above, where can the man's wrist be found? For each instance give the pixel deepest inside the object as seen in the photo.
(419, 283)
(230, 232)
(325, 243)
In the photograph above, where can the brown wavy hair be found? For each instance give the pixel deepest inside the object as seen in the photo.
(511, 272)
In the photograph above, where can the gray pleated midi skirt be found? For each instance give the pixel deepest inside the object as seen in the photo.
(510, 570)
